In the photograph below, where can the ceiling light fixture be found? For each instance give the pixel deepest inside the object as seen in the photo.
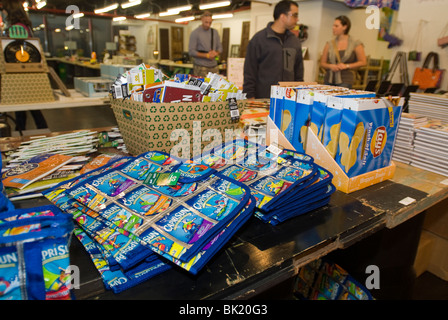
(222, 16)
(168, 13)
(142, 16)
(119, 19)
(106, 9)
(174, 11)
(182, 8)
(184, 19)
(130, 4)
(78, 15)
(212, 5)
(41, 4)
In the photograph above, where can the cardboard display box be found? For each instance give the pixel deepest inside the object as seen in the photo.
(183, 128)
(344, 179)
(321, 156)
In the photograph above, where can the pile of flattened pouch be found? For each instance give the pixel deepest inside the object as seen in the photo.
(140, 216)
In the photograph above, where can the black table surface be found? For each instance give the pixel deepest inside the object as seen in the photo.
(259, 255)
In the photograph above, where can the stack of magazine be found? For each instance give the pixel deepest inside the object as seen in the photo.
(431, 147)
(430, 104)
(404, 143)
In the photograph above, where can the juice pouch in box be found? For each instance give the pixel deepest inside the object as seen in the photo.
(305, 99)
(288, 113)
(367, 135)
(332, 124)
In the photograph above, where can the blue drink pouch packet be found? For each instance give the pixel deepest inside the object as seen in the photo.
(34, 254)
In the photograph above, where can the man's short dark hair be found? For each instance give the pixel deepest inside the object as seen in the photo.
(283, 6)
(206, 14)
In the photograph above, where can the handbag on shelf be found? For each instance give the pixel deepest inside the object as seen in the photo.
(416, 55)
(442, 41)
(425, 77)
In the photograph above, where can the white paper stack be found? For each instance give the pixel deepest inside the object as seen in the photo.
(430, 104)
(431, 147)
(404, 143)
(73, 144)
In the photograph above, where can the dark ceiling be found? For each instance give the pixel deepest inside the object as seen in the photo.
(154, 6)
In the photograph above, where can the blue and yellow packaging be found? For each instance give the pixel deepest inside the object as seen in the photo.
(321, 99)
(302, 116)
(332, 124)
(276, 104)
(288, 113)
(320, 107)
(367, 134)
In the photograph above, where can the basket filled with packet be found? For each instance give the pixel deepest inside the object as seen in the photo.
(155, 112)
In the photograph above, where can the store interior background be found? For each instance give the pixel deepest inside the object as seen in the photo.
(318, 15)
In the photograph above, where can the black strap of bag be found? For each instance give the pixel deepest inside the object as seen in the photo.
(431, 56)
(211, 44)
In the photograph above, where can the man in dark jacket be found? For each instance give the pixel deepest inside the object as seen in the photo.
(274, 54)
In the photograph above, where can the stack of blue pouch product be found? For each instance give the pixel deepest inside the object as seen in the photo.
(134, 224)
(325, 280)
(135, 228)
(107, 244)
(34, 254)
(284, 185)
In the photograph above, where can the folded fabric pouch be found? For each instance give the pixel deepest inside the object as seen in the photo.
(279, 180)
(117, 280)
(320, 198)
(188, 214)
(322, 279)
(138, 208)
(211, 248)
(121, 249)
(34, 255)
(5, 203)
(321, 179)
